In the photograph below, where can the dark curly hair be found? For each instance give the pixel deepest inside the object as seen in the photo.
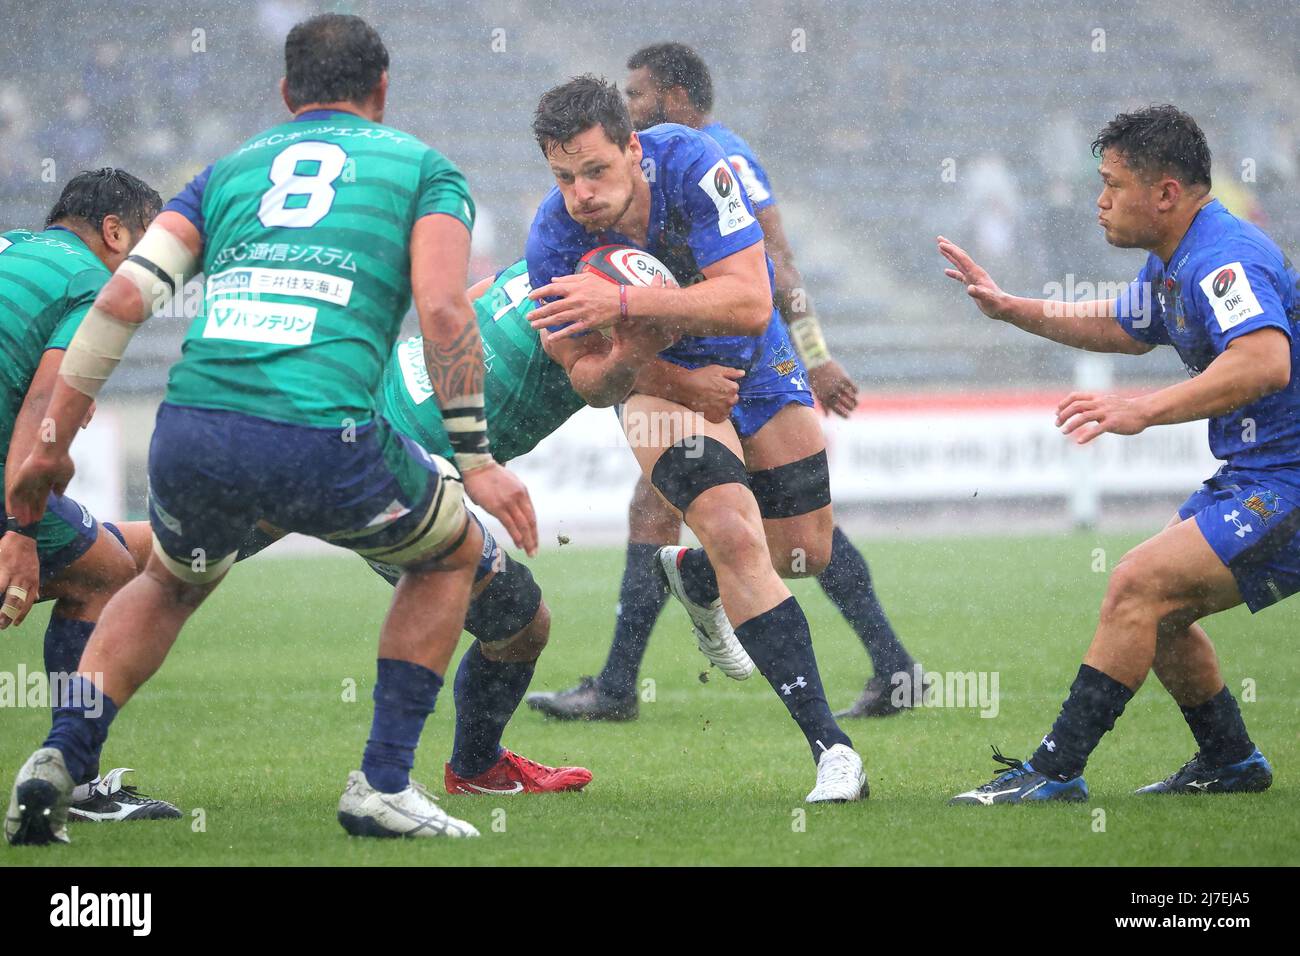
(576, 106)
(92, 195)
(676, 64)
(1159, 141)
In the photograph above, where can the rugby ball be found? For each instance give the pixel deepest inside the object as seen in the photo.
(625, 265)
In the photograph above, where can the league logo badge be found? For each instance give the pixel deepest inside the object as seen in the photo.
(783, 360)
(1266, 504)
(1171, 301)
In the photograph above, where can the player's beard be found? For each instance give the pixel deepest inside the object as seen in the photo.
(612, 218)
(653, 119)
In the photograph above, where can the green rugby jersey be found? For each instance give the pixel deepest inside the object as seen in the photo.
(527, 396)
(306, 251)
(48, 281)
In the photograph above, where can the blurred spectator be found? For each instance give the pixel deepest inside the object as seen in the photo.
(992, 216)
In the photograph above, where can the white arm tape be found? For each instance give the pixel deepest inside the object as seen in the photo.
(806, 333)
(157, 264)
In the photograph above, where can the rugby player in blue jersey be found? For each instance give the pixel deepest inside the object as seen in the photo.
(1221, 293)
(671, 191)
(670, 83)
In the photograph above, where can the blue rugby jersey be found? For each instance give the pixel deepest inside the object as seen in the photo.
(1225, 279)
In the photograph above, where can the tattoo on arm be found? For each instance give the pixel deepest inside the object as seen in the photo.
(455, 370)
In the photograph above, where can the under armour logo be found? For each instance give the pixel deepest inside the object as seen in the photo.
(1050, 744)
(1242, 529)
(798, 682)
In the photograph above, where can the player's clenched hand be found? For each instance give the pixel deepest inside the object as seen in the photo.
(713, 391)
(41, 473)
(1101, 414)
(640, 340)
(502, 495)
(979, 284)
(834, 389)
(587, 301)
(20, 578)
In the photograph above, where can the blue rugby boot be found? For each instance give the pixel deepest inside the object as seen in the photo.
(1021, 783)
(1252, 775)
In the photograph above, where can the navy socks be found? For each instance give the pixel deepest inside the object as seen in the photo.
(404, 697)
(1219, 730)
(80, 727)
(65, 639)
(847, 582)
(487, 695)
(1096, 700)
(698, 579)
(641, 599)
(781, 647)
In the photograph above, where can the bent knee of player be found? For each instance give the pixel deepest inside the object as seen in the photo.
(524, 645)
(85, 587)
(727, 524)
(802, 550)
(1139, 592)
(180, 591)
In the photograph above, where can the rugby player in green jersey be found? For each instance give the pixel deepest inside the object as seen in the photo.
(315, 237)
(48, 280)
(528, 396)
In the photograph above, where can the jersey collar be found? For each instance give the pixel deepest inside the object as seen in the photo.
(311, 115)
(1203, 216)
(70, 237)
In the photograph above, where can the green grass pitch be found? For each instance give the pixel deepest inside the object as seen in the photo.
(247, 729)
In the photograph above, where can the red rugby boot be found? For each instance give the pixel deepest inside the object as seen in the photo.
(515, 774)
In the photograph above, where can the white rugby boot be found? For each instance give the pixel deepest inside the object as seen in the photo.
(38, 807)
(840, 777)
(413, 812)
(713, 632)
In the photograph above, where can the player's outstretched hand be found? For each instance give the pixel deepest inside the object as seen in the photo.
(20, 578)
(712, 391)
(502, 495)
(979, 284)
(1103, 413)
(586, 301)
(41, 473)
(834, 389)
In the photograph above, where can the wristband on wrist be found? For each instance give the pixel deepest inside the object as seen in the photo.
(472, 461)
(466, 426)
(806, 334)
(27, 531)
(622, 302)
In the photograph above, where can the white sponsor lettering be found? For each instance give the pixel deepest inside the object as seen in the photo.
(515, 291)
(273, 323)
(720, 185)
(296, 282)
(1230, 295)
(415, 374)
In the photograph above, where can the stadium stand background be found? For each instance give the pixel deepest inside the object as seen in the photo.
(857, 131)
